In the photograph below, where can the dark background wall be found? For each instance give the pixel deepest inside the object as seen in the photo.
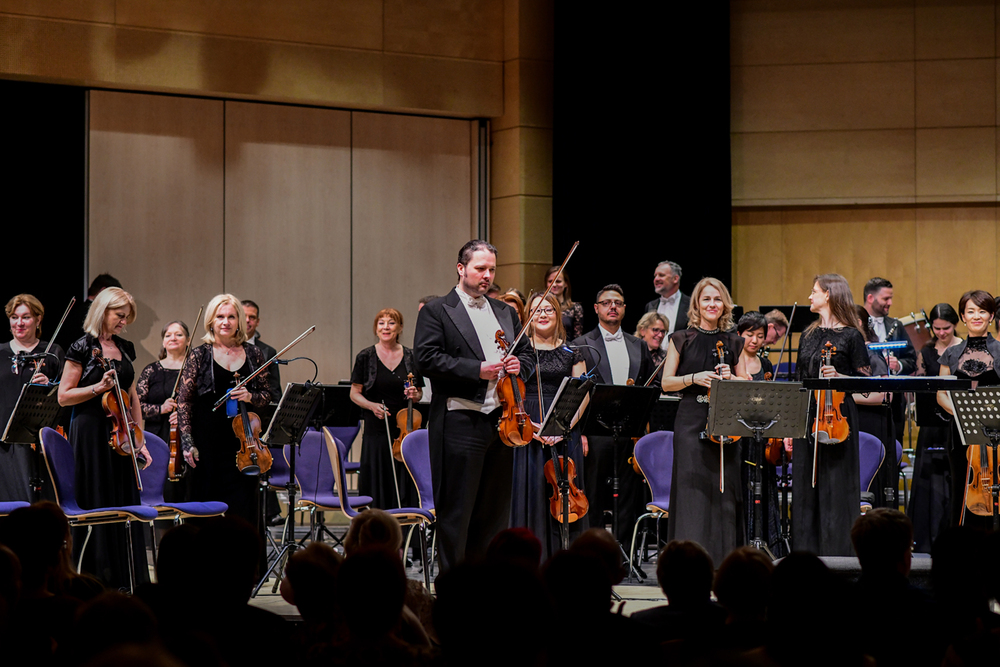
(44, 190)
(641, 169)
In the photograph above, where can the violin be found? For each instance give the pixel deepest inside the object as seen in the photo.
(253, 458)
(577, 501)
(979, 491)
(407, 421)
(515, 428)
(720, 353)
(830, 426)
(126, 437)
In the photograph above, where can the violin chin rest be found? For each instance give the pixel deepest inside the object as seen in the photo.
(825, 439)
(251, 470)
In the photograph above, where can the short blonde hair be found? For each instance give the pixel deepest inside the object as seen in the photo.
(33, 304)
(217, 302)
(694, 313)
(393, 315)
(646, 321)
(109, 298)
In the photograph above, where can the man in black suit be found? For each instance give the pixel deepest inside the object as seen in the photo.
(671, 303)
(878, 300)
(252, 311)
(614, 357)
(72, 328)
(454, 344)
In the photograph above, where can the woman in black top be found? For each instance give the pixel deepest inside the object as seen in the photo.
(25, 313)
(978, 358)
(377, 386)
(824, 513)
(652, 328)
(103, 477)
(572, 312)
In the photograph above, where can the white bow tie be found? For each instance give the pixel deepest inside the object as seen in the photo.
(478, 302)
(613, 337)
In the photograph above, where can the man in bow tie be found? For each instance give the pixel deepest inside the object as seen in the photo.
(614, 357)
(454, 345)
(878, 300)
(671, 303)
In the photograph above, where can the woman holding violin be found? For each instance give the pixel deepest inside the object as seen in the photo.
(698, 510)
(94, 364)
(379, 386)
(531, 492)
(207, 436)
(25, 313)
(825, 512)
(976, 358)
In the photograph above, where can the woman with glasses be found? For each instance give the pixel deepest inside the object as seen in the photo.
(652, 328)
(25, 313)
(103, 477)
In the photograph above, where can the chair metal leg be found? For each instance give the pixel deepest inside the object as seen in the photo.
(423, 556)
(83, 549)
(406, 544)
(131, 557)
(631, 551)
(434, 540)
(152, 540)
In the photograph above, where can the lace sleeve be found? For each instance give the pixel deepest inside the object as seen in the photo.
(142, 390)
(921, 366)
(577, 321)
(859, 354)
(187, 392)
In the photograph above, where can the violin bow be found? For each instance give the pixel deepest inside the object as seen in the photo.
(39, 362)
(222, 401)
(788, 332)
(531, 316)
(392, 461)
(187, 354)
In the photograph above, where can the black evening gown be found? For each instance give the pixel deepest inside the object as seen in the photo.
(103, 477)
(375, 478)
(771, 531)
(154, 387)
(930, 490)
(531, 492)
(822, 516)
(698, 510)
(16, 461)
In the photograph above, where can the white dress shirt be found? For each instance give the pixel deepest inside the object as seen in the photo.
(878, 326)
(668, 308)
(617, 354)
(486, 324)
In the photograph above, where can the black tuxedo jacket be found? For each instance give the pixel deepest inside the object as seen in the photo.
(682, 311)
(640, 362)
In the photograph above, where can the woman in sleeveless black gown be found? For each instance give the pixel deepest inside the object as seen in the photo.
(531, 492)
(977, 358)
(103, 477)
(699, 511)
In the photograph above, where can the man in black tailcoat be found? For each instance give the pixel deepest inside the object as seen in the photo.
(454, 346)
(614, 357)
(670, 303)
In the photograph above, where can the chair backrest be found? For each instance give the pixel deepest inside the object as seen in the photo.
(313, 471)
(155, 476)
(899, 453)
(654, 453)
(279, 474)
(62, 467)
(346, 434)
(417, 458)
(871, 453)
(337, 453)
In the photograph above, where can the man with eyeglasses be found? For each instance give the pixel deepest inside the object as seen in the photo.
(614, 357)
(670, 303)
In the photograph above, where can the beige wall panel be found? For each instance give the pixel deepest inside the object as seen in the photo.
(957, 161)
(156, 205)
(505, 172)
(522, 160)
(758, 260)
(348, 23)
(817, 165)
(964, 29)
(56, 51)
(454, 87)
(528, 29)
(956, 93)
(505, 231)
(955, 252)
(769, 32)
(458, 28)
(822, 97)
(527, 90)
(288, 220)
(101, 11)
(411, 182)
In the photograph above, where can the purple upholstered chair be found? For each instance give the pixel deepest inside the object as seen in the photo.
(62, 468)
(9, 506)
(871, 454)
(347, 435)
(155, 476)
(406, 516)
(417, 459)
(654, 453)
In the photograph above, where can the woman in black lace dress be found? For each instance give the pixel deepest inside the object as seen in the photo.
(572, 312)
(207, 436)
(699, 511)
(823, 514)
(104, 478)
(978, 358)
(531, 492)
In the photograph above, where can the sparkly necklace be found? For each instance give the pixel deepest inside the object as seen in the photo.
(706, 331)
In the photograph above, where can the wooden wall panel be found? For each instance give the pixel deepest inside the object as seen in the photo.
(156, 208)
(412, 213)
(287, 242)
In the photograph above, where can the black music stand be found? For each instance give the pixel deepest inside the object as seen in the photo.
(36, 408)
(288, 425)
(558, 422)
(977, 414)
(622, 412)
(747, 409)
